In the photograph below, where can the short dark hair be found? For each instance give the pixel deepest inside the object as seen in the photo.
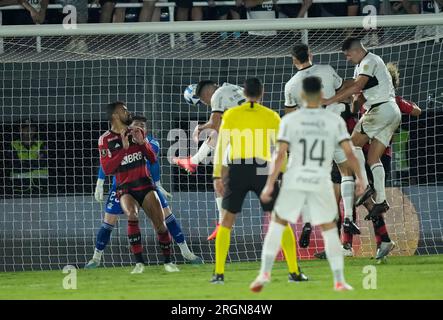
(139, 117)
(312, 85)
(110, 108)
(350, 42)
(201, 85)
(300, 51)
(253, 87)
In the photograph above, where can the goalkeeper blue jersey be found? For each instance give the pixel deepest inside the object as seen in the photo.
(154, 168)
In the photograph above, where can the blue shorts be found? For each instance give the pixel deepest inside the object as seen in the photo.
(112, 205)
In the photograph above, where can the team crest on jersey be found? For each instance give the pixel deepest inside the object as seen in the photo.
(365, 67)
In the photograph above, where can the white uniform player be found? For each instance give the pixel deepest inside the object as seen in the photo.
(312, 135)
(383, 115)
(226, 97)
(331, 81)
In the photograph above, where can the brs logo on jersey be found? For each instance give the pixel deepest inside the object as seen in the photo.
(130, 158)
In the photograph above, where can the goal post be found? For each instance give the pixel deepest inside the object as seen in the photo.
(48, 222)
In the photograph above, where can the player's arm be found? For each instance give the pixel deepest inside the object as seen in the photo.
(408, 107)
(213, 122)
(356, 86)
(275, 170)
(98, 193)
(109, 161)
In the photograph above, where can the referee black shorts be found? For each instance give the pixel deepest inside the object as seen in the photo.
(242, 178)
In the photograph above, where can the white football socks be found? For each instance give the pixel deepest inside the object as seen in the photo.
(378, 172)
(271, 246)
(97, 255)
(334, 254)
(218, 201)
(204, 150)
(347, 187)
(361, 161)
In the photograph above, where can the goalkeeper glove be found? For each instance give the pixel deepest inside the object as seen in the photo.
(98, 194)
(162, 190)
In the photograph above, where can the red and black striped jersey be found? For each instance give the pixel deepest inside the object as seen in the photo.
(128, 166)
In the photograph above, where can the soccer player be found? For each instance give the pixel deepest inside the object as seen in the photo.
(220, 99)
(123, 153)
(332, 82)
(113, 208)
(311, 134)
(382, 118)
(249, 129)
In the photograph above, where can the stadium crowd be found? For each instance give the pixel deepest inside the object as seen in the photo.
(36, 11)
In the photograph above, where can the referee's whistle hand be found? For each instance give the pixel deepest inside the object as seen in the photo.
(266, 194)
(218, 187)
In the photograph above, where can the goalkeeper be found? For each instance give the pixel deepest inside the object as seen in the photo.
(113, 208)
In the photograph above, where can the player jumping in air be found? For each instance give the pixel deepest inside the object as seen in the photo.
(220, 99)
(113, 208)
(312, 135)
(332, 82)
(123, 153)
(378, 124)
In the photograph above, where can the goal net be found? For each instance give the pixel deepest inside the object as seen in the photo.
(60, 80)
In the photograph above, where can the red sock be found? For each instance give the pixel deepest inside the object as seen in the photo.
(135, 240)
(381, 233)
(165, 245)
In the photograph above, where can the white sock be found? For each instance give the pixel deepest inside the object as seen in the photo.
(204, 150)
(347, 187)
(271, 246)
(378, 172)
(218, 201)
(361, 161)
(184, 249)
(334, 254)
(97, 255)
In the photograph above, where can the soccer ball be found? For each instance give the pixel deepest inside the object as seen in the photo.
(190, 97)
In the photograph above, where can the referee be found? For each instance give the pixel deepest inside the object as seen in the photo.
(248, 130)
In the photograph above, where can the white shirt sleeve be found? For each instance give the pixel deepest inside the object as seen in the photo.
(343, 133)
(283, 131)
(338, 81)
(368, 67)
(290, 100)
(217, 104)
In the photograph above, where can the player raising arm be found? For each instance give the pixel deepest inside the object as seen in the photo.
(378, 124)
(113, 209)
(220, 99)
(311, 135)
(123, 153)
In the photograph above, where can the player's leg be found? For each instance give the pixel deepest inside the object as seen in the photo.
(190, 164)
(347, 191)
(288, 239)
(218, 202)
(176, 231)
(287, 209)
(359, 139)
(324, 213)
(112, 211)
(102, 239)
(305, 236)
(153, 209)
(130, 208)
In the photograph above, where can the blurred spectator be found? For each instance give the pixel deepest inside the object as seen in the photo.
(149, 13)
(28, 156)
(405, 7)
(225, 12)
(342, 9)
(185, 10)
(109, 13)
(296, 10)
(34, 13)
(428, 7)
(261, 9)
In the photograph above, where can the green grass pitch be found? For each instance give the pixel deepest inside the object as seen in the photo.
(417, 277)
